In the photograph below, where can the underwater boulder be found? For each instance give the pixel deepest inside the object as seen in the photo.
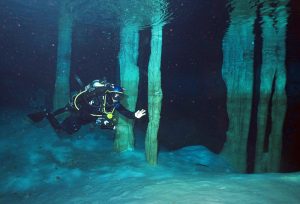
(203, 157)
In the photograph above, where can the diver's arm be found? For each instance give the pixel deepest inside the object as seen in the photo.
(127, 113)
(131, 115)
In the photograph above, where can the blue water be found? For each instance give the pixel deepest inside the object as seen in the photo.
(194, 91)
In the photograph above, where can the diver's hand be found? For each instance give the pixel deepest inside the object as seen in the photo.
(140, 113)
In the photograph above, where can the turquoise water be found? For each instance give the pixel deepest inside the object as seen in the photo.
(194, 91)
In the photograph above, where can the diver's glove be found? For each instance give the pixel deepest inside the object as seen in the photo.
(140, 113)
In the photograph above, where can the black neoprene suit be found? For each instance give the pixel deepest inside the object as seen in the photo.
(83, 116)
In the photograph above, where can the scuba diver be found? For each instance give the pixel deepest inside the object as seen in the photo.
(97, 103)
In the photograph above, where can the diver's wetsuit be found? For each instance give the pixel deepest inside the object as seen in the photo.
(90, 110)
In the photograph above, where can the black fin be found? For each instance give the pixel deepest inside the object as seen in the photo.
(37, 116)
